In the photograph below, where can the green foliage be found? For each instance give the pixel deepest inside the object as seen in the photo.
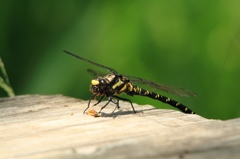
(4, 81)
(189, 44)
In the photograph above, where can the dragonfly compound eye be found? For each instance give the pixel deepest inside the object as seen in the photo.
(94, 89)
(102, 82)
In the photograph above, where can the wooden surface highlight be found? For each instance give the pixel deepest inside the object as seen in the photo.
(42, 126)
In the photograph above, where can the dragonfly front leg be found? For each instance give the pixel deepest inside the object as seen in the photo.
(109, 100)
(93, 96)
(100, 100)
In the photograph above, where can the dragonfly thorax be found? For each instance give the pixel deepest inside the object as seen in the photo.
(109, 85)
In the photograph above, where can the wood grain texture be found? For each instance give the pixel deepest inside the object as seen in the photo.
(42, 126)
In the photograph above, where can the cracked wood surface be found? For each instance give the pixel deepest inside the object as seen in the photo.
(53, 126)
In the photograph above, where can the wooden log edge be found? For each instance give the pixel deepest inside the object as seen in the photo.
(53, 126)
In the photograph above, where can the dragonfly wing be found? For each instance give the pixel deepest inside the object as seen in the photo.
(95, 73)
(160, 87)
(94, 63)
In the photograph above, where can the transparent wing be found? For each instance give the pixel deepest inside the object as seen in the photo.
(160, 87)
(95, 73)
(94, 63)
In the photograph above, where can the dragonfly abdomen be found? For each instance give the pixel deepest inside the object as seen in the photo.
(143, 92)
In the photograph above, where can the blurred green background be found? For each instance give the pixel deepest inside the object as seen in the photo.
(184, 43)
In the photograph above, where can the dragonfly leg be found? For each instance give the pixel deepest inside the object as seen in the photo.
(113, 101)
(109, 100)
(99, 101)
(117, 106)
(125, 99)
(93, 96)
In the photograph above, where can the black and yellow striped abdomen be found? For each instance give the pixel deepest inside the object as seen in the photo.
(143, 92)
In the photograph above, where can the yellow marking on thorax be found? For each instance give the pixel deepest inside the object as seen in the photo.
(177, 104)
(123, 89)
(117, 84)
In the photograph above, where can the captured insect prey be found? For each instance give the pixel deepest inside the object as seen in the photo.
(112, 84)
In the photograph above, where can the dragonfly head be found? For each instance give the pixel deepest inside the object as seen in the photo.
(104, 85)
(99, 86)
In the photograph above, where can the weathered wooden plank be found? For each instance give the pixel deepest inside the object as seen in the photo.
(38, 126)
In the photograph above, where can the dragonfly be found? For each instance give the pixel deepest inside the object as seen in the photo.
(113, 84)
